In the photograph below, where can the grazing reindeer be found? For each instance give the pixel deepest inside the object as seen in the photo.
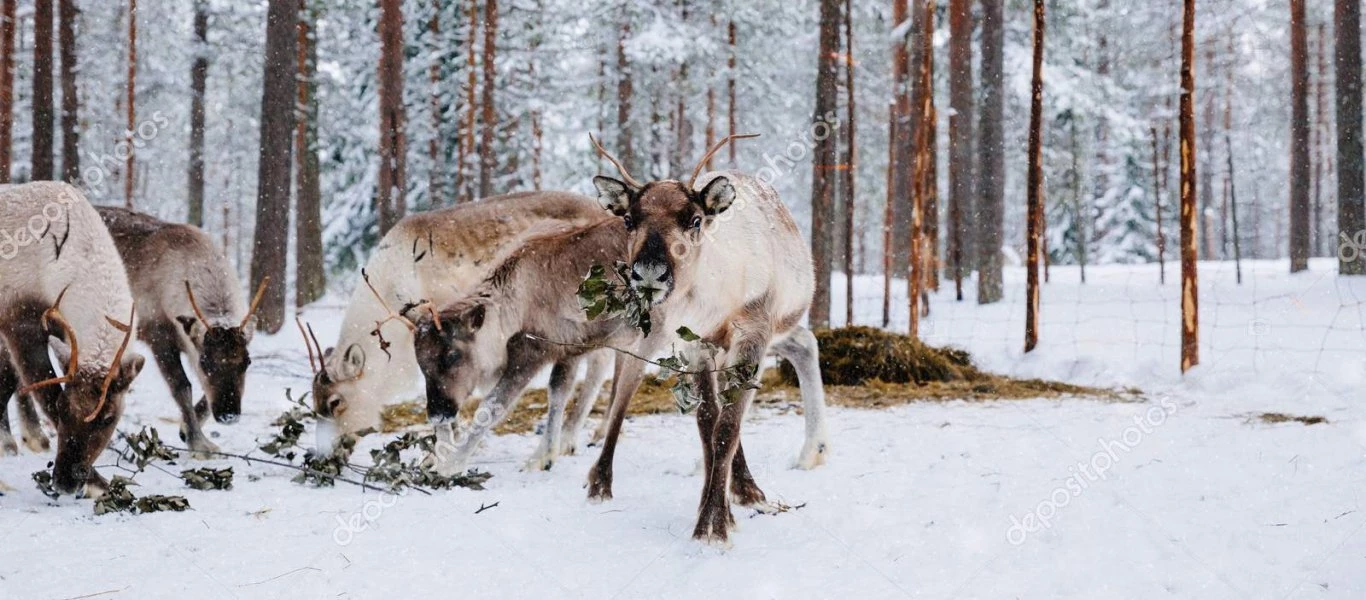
(522, 318)
(431, 256)
(721, 255)
(191, 304)
(62, 277)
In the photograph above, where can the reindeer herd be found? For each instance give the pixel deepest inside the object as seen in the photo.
(480, 296)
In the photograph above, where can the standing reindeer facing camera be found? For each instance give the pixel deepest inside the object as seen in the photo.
(63, 286)
(721, 255)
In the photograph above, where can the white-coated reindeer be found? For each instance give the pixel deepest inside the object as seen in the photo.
(721, 255)
(64, 287)
(434, 257)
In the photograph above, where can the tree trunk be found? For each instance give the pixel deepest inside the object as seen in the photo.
(436, 179)
(393, 142)
(1233, 207)
(1035, 184)
(42, 145)
(1319, 131)
(991, 180)
(8, 14)
(896, 221)
(268, 257)
(71, 101)
(624, 96)
(199, 73)
(1299, 140)
(488, 160)
(1190, 308)
(850, 156)
(1207, 168)
(930, 180)
(925, 112)
(310, 276)
(130, 100)
(960, 140)
(1347, 70)
(466, 146)
(1157, 209)
(822, 176)
(730, 87)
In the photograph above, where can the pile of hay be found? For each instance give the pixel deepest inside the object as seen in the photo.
(861, 367)
(869, 367)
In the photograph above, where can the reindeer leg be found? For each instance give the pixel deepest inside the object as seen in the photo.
(629, 372)
(32, 426)
(561, 386)
(9, 382)
(800, 349)
(30, 358)
(167, 355)
(598, 365)
(714, 518)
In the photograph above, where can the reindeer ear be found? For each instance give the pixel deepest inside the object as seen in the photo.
(128, 371)
(717, 196)
(63, 351)
(353, 361)
(614, 195)
(474, 318)
(194, 328)
(248, 328)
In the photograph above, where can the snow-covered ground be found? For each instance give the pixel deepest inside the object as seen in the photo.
(1181, 495)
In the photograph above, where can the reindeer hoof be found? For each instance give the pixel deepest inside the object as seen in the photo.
(203, 449)
(599, 488)
(37, 442)
(539, 462)
(813, 455)
(715, 537)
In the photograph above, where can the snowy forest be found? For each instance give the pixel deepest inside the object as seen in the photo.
(330, 267)
(499, 97)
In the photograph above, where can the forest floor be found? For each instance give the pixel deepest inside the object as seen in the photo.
(1244, 478)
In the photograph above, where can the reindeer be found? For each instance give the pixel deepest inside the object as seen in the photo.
(720, 254)
(64, 287)
(432, 256)
(192, 304)
(499, 336)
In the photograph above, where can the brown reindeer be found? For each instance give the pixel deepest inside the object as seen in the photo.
(64, 288)
(436, 256)
(192, 304)
(721, 255)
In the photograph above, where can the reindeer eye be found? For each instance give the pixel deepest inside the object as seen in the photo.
(630, 224)
(697, 222)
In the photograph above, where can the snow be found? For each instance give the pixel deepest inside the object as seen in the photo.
(1179, 495)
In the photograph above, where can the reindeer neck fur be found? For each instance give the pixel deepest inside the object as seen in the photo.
(74, 252)
(752, 257)
(534, 292)
(438, 256)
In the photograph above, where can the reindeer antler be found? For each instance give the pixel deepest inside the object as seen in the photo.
(714, 149)
(312, 364)
(612, 159)
(54, 314)
(195, 305)
(430, 308)
(255, 302)
(392, 315)
(127, 330)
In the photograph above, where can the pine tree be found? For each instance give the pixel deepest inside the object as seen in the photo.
(1190, 307)
(991, 177)
(199, 74)
(7, 28)
(1299, 139)
(1351, 175)
(43, 169)
(279, 92)
(822, 176)
(309, 271)
(393, 140)
(71, 132)
(1035, 185)
(960, 141)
